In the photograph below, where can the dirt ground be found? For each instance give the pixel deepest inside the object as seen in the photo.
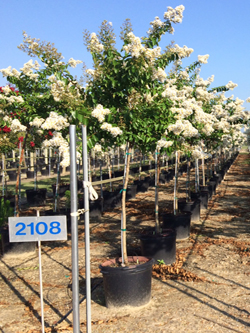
(206, 290)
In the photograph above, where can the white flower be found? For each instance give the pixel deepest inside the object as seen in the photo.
(37, 122)
(203, 59)
(99, 113)
(73, 63)
(174, 15)
(231, 85)
(114, 131)
(55, 121)
(163, 143)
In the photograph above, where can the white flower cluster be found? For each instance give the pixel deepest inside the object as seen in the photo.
(73, 63)
(114, 131)
(8, 72)
(28, 67)
(183, 127)
(182, 52)
(97, 148)
(12, 99)
(200, 82)
(157, 23)
(198, 153)
(37, 122)
(231, 85)
(203, 59)
(99, 113)
(203, 95)
(57, 141)
(95, 45)
(159, 74)
(135, 47)
(174, 15)
(163, 143)
(62, 91)
(16, 126)
(55, 121)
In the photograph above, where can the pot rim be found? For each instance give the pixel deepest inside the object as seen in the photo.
(106, 268)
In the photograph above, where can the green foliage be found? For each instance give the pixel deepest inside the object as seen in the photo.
(5, 211)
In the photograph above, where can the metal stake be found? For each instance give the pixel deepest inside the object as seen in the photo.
(87, 237)
(74, 229)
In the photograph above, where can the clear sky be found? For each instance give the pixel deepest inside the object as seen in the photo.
(220, 28)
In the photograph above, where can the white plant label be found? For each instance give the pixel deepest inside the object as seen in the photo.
(40, 228)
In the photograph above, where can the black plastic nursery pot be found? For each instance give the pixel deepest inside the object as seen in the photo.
(129, 285)
(180, 222)
(131, 191)
(44, 172)
(159, 246)
(212, 184)
(202, 196)
(30, 174)
(61, 189)
(193, 207)
(14, 248)
(12, 175)
(36, 197)
(142, 185)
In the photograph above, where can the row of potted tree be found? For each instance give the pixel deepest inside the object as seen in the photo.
(131, 98)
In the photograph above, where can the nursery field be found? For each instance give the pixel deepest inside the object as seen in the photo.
(206, 290)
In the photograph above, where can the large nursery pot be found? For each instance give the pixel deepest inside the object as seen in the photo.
(44, 172)
(131, 191)
(14, 248)
(62, 188)
(129, 285)
(12, 175)
(36, 196)
(212, 184)
(160, 246)
(180, 222)
(193, 207)
(202, 195)
(30, 174)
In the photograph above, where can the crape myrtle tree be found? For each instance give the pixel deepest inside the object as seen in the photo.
(127, 91)
(41, 100)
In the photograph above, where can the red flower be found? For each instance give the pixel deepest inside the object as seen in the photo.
(32, 144)
(50, 133)
(20, 139)
(6, 129)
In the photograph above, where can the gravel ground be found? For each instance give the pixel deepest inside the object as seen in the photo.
(206, 290)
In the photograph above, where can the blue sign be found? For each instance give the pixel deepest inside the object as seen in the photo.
(40, 228)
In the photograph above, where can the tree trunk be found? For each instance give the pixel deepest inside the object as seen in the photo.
(18, 174)
(123, 216)
(157, 177)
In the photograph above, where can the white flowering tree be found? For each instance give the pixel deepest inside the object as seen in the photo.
(44, 100)
(129, 92)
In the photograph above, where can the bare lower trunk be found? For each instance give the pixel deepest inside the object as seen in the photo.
(18, 176)
(123, 217)
(176, 184)
(157, 177)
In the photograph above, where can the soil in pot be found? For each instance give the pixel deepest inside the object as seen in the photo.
(193, 207)
(129, 285)
(179, 222)
(36, 196)
(159, 246)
